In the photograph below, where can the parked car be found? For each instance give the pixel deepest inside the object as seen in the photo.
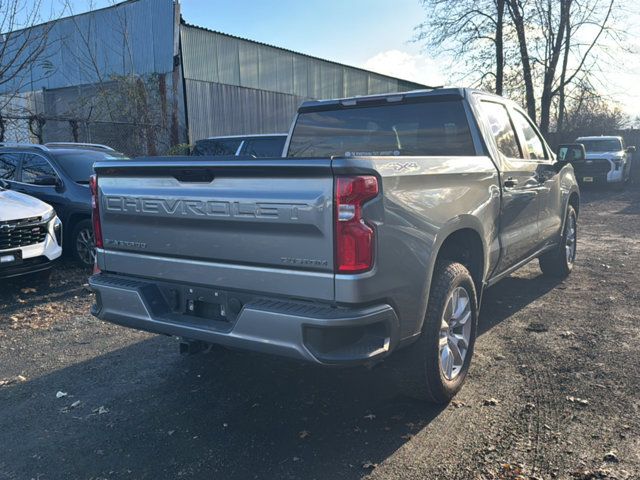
(256, 146)
(58, 174)
(30, 234)
(608, 160)
(376, 236)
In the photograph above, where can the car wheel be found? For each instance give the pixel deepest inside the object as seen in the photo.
(83, 243)
(435, 366)
(559, 262)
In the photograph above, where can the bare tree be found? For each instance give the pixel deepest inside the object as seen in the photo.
(540, 48)
(463, 30)
(23, 62)
(587, 111)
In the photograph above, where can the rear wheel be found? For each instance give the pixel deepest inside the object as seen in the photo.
(559, 262)
(435, 366)
(83, 243)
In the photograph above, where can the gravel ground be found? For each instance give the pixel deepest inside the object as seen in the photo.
(553, 391)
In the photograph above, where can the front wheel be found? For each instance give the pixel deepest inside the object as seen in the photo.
(83, 243)
(559, 262)
(435, 366)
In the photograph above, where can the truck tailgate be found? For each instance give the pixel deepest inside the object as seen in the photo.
(268, 214)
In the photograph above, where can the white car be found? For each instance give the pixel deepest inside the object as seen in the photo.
(30, 234)
(608, 160)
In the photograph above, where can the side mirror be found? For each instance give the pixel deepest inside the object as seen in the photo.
(4, 184)
(631, 149)
(571, 152)
(47, 180)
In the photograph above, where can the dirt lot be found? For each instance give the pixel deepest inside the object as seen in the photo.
(554, 390)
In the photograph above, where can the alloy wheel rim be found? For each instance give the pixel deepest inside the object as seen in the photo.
(570, 242)
(85, 246)
(455, 333)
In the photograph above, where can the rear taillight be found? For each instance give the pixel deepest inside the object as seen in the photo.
(95, 211)
(354, 238)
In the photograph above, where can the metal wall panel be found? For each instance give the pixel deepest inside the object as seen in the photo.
(249, 64)
(131, 37)
(216, 57)
(217, 109)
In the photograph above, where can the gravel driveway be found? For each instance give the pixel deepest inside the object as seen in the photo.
(553, 392)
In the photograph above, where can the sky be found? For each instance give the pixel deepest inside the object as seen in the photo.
(372, 34)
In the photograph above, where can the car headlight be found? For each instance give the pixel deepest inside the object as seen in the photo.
(47, 217)
(57, 230)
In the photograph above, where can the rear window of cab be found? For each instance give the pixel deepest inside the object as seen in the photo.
(404, 129)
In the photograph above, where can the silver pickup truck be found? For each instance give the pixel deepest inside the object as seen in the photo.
(376, 233)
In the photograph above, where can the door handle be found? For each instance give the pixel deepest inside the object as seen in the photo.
(510, 182)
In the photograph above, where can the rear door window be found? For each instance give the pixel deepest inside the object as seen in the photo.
(498, 119)
(433, 128)
(35, 167)
(9, 166)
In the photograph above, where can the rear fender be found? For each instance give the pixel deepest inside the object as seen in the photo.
(455, 224)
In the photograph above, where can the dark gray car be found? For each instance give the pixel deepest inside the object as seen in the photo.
(58, 174)
(375, 237)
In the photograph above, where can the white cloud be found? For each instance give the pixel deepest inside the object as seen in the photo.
(413, 67)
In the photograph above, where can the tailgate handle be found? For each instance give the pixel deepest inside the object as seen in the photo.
(194, 176)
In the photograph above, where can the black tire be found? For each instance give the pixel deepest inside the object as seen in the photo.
(418, 370)
(557, 263)
(79, 241)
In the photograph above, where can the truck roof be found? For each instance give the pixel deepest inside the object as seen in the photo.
(600, 137)
(453, 92)
(253, 135)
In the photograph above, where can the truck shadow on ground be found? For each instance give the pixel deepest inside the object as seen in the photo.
(234, 414)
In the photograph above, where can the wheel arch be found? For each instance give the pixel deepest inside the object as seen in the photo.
(463, 241)
(73, 220)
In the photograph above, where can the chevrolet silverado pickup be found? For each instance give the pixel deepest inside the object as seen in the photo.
(373, 237)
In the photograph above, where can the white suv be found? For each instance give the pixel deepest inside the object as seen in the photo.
(30, 234)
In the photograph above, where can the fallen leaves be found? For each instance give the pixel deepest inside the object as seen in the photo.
(578, 401)
(9, 381)
(101, 410)
(537, 328)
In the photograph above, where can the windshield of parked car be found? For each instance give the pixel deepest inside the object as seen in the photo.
(78, 164)
(424, 128)
(602, 145)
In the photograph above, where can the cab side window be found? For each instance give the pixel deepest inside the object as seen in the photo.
(533, 144)
(9, 166)
(34, 168)
(498, 118)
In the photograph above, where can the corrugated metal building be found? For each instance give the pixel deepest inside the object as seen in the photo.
(197, 82)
